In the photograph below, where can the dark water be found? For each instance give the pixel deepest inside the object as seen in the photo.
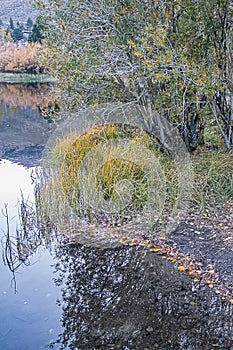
(72, 296)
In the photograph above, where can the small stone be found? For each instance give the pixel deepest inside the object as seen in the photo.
(136, 333)
(149, 329)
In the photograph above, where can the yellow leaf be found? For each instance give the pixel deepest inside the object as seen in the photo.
(196, 280)
(192, 303)
(211, 272)
(231, 301)
(181, 268)
(155, 249)
(133, 243)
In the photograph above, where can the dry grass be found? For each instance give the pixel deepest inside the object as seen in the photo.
(65, 192)
(84, 179)
(213, 175)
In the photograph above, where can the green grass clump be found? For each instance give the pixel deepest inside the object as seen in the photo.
(60, 191)
(74, 158)
(110, 172)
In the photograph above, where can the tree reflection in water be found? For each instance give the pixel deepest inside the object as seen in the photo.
(127, 298)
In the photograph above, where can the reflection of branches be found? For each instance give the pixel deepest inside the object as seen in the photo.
(19, 246)
(9, 249)
(123, 298)
(96, 293)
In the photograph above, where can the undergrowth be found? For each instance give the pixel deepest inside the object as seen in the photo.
(61, 198)
(117, 175)
(213, 177)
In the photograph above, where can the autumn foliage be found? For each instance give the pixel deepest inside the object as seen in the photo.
(21, 59)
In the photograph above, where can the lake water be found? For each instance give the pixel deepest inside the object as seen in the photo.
(29, 316)
(71, 296)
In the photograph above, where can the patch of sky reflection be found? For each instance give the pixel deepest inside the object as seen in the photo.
(29, 318)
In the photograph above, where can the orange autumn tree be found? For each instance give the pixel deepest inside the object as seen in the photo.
(21, 59)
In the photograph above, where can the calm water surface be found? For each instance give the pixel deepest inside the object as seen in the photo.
(73, 296)
(29, 316)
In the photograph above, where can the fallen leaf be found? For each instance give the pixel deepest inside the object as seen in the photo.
(155, 249)
(181, 268)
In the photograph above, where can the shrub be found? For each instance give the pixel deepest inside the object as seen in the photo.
(21, 59)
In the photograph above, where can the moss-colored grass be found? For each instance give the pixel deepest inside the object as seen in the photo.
(61, 183)
(112, 171)
(19, 78)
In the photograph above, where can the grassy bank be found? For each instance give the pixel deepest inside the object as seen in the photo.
(17, 78)
(212, 174)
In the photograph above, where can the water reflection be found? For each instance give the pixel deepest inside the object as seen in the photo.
(116, 298)
(125, 298)
(29, 319)
(14, 180)
(32, 95)
(23, 131)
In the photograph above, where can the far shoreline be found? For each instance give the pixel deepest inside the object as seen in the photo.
(20, 78)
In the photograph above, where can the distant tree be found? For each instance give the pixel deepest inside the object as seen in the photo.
(11, 24)
(36, 35)
(29, 24)
(1, 23)
(17, 34)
